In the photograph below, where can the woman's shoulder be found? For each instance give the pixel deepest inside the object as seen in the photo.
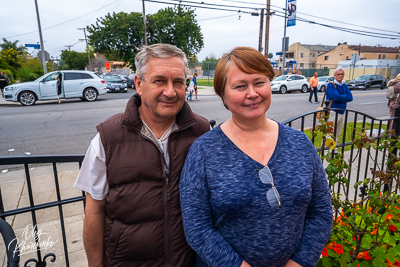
(210, 138)
(294, 138)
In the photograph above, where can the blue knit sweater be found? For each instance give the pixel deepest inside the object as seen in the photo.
(340, 95)
(227, 217)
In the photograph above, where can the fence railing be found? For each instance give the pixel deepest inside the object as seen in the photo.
(26, 162)
(307, 121)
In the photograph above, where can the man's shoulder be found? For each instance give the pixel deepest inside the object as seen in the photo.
(202, 122)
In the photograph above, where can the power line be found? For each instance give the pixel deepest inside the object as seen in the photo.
(64, 21)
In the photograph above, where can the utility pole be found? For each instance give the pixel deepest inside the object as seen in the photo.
(284, 41)
(69, 47)
(87, 47)
(261, 30)
(267, 29)
(144, 22)
(41, 39)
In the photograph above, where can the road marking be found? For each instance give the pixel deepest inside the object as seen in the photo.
(381, 93)
(370, 103)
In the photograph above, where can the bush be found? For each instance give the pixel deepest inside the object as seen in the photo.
(26, 75)
(365, 232)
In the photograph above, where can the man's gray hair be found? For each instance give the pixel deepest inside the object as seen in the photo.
(156, 51)
(334, 73)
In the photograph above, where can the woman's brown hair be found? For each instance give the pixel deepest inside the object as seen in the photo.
(247, 59)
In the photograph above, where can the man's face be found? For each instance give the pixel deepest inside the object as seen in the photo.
(316, 74)
(163, 88)
(339, 75)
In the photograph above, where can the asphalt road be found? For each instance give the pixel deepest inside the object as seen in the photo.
(67, 128)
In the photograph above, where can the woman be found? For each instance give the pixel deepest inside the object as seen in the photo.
(253, 191)
(3, 81)
(394, 103)
(59, 90)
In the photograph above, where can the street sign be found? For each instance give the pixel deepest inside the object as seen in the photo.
(35, 46)
(46, 56)
(354, 58)
(279, 53)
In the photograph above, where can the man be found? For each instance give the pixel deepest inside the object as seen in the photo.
(195, 86)
(132, 169)
(314, 88)
(3, 81)
(340, 93)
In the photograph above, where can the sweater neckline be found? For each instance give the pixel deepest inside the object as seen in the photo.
(247, 157)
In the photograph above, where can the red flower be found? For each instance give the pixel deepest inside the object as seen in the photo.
(366, 256)
(338, 249)
(325, 253)
(392, 228)
(354, 238)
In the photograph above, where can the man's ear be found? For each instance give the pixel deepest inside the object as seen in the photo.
(138, 85)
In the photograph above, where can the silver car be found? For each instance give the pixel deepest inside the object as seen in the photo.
(288, 83)
(83, 84)
(323, 82)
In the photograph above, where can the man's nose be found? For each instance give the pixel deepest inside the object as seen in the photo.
(169, 89)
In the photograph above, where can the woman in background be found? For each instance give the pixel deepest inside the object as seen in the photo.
(253, 191)
(394, 103)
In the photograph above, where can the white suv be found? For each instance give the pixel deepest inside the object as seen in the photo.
(83, 84)
(292, 82)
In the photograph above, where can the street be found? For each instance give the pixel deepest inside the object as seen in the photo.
(51, 128)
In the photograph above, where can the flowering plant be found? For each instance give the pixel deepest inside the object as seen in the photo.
(366, 231)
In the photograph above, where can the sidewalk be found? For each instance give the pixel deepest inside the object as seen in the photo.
(15, 195)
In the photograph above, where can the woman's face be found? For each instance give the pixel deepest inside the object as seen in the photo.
(248, 96)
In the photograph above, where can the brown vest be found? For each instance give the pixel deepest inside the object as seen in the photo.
(143, 214)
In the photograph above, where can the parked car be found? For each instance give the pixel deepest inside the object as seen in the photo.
(83, 84)
(367, 81)
(115, 83)
(130, 81)
(288, 83)
(323, 82)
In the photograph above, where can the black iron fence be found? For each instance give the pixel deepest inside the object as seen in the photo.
(26, 162)
(304, 122)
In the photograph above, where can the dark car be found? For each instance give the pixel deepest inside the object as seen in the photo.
(130, 81)
(367, 81)
(114, 83)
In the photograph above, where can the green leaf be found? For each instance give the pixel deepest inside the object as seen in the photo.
(393, 251)
(391, 258)
(380, 253)
(378, 263)
(326, 262)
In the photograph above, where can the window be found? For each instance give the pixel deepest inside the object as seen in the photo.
(313, 54)
(384, 56)
(325, 68)
(51, 77)
(86, 76)
(301, 54)
(299, 78)
(72, 76)
(301, 65)
(342, 54)
(379, 57)
(326, 57)
(397, 56)
(313, 65)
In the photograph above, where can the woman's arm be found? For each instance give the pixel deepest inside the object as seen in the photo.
(197, 215)
(319, 216)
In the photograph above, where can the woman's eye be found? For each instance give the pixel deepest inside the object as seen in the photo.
(260, 83)
(242, 86)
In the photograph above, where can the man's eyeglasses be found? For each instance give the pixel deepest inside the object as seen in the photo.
(339, 74)
(272, 194)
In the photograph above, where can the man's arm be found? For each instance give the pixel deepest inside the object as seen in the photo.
(334, 94)
(93, 230)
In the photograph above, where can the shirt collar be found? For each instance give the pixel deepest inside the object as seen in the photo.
(338, 83)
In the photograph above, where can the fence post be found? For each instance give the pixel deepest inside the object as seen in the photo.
(396, 122)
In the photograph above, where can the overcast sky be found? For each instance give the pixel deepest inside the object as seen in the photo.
(222, 30)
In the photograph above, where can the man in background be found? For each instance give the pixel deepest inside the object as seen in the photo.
(314, 88)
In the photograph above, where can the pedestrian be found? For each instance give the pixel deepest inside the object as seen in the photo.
(132, 169)
(195, 86)
(314, 88)
(394, 103)
(3, 81)
(59, 90)
(247, 199)
(190, 89)
(340, 94)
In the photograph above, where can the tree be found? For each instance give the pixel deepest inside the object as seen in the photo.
(9, 44)
(210, 62)
(11, 57)
(119, 36)
(99, 61)
(270, 56)
(74, 60)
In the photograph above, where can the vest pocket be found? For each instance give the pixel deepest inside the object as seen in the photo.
(114, 239)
